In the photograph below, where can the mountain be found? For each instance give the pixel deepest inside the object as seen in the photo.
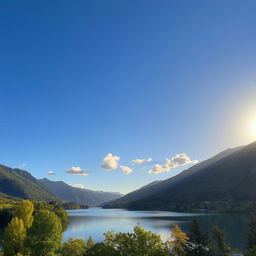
(230, 175)
(78, 195)
(21, 184)
(160, 186)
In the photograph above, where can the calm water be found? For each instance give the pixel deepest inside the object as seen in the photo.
(95, 221)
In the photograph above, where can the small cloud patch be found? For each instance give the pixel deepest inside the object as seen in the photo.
(126, 169)
(142, 161)
(77, 171)
(175, 161)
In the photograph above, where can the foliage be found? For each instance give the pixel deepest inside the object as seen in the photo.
(101, 249)
(14, 236)
(90, 242)
(62, 214)
(179, 242)
(24, 210)
(251, 251)
(74, 247)
(140, 242)
(221, 248)
(44, 237)
(198, 241)
(252, 231)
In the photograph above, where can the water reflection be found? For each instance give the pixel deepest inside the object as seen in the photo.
(95, 221)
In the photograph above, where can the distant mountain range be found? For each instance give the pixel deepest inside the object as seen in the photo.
(229, 176)
(78, 195)
(17, 183)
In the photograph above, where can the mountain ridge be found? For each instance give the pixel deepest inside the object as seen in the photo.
(137, 198)
(78, 195)
(18, 183)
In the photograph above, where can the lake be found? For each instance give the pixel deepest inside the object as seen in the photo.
(95, 221)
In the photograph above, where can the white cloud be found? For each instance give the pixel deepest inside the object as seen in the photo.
(175, 161)
(77, 185)
(126, 169)
(142, 161)
(158, 168)
(181, 159)
(77, 171)
(110, 162)
(51, 173)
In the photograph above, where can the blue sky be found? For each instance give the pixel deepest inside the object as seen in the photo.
(138, 79)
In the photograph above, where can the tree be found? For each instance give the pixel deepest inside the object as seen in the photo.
(62, 214)
(44, 237)
(179, 242)
(252, 232)
(14, 236)
(198, 240)
(251, 251)
(101, 249)
(221, 248)
(140, 242)
(251, 245)
(24, 211)
(74, 247)
(148, 243)
(90, 242)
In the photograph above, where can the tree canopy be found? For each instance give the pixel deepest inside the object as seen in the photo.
(14, 236)
(44, 237)
(24, 210)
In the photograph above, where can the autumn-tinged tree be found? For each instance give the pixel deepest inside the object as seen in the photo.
(179, 242)
(44, 237)
(74, 247)
(14, 236)
(24, 210)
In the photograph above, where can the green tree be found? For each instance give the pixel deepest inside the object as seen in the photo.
(251, 251)
(252, 232)
(44, 237)
(14, 236)
(140, 242)
(101, 249)
(90, 242)
(198, 240)
(220, 246)
(74, 247)
(179, 242)
(24, 210)
(62, 214)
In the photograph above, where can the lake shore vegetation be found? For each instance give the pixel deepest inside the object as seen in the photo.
(35, 228)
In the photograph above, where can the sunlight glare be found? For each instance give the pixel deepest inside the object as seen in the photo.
(253, 128)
